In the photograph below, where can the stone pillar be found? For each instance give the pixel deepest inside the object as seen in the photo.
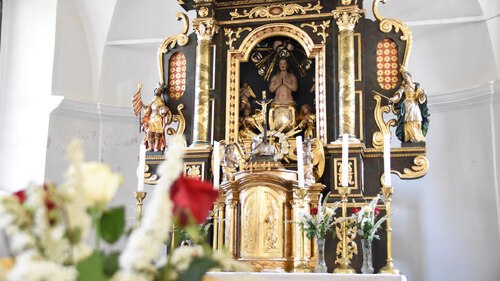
(205, 29)
(346, 18)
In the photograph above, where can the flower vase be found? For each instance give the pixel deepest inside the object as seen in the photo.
(367, 267)
(321, 264)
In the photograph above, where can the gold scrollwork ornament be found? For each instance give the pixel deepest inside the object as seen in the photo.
(324, 26)
(182, 39)
(386, 25)
(378, 137)
(230, 32)
(276, 11)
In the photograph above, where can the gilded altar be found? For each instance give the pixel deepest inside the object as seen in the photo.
(255, 75)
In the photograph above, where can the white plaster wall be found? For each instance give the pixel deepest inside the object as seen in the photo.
(27, 57)
(445, 224)
(123, 68)
(494, 30)
(451, 57)
(72, 74)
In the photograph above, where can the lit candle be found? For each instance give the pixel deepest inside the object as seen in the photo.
(263, 95)
(345, 157)
(387, 160)
(300, 161)
(140, 168)
(216, 167)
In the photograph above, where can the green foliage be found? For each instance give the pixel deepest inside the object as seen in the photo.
(91, 268)
(198, 267)
(111, 264)
(112, 224)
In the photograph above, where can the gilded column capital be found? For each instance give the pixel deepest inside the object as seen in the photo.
(347, 17)
(205, 28)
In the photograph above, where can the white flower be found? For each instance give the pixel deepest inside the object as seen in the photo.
(368, 209)
(146, 242)
(182, 257)
(99, 184)
(31, 269)
(329, 211)
(75, 152)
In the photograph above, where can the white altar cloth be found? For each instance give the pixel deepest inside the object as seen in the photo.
(268, 276)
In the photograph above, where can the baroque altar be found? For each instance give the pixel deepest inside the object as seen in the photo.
(256, 74)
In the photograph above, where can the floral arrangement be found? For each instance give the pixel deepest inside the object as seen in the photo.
(48, 226)
(366, 220)
(320, 220)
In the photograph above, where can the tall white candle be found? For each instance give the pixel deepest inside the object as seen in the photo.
(387, 160)
(345, 158)
(216, 167)
(300, 161)
(140, 168)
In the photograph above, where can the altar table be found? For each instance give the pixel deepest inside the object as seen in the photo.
(272, 276)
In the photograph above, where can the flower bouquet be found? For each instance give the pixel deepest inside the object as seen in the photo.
(47, 227)
(367, 225)
(317, 224)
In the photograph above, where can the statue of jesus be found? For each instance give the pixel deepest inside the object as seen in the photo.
(283, 84)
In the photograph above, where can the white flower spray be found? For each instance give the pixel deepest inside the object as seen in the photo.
(137, 262)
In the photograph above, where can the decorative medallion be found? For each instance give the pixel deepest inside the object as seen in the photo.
(177, 76)
(276, 11)
(387, 64)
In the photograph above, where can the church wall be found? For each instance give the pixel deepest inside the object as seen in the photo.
(445, 224)
(27, 55)
(72, 76)
(124, 67)
(462, 63)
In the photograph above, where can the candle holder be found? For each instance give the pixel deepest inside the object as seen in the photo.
(389, 268)
(139, 197)
(303, 266)
(346, 246)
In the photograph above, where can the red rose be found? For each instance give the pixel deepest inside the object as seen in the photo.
(192, 197)
(21, 195)
(314, 211)
(377, 212)
(355, 210)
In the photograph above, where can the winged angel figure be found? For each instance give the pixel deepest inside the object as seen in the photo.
(156, 117)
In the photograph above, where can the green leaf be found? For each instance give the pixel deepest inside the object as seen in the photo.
(197, 268)
(111, 263)
(112, 224)
(90, 269)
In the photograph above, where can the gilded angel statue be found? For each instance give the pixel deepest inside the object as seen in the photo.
(156, 116)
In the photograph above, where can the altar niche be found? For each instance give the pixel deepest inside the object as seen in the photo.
(251, 69)
(262, 73)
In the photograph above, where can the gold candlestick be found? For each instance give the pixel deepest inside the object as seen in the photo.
(303, 267)
(346, 247)
(139, 197)
(389, 267)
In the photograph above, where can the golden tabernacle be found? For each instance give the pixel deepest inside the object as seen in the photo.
(283, 103)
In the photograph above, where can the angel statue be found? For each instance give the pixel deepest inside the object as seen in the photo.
(413, 114)
(231, 161)
(245, 94)
(156, 116)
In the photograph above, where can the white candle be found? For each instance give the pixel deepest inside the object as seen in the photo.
(387, 160)
(300, 161)
(140, 168)
(216, 167)
(345, 157)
